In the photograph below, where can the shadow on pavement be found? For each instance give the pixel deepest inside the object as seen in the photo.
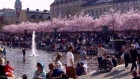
(119, 76)
(113, 73)
(96, 74)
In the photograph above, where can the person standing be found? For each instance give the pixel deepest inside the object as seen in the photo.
(101, 53)
(23, 52)
(70, 71)
(137, 45)
(134, 54)
(10, 46)
(126, 53)
(4, 52)
(83, 55)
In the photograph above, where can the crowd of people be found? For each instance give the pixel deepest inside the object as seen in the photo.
(60, 41)
(61, 71)
(82, 43)
(69, 70)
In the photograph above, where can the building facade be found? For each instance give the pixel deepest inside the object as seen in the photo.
(66, 7)
(34, 16)
(94, 8)
(1, 22)
(8, 16)
(17, 15)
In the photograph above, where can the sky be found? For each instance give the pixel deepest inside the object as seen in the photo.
(31, 4)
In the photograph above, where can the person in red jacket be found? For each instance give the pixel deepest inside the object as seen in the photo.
(9, 70)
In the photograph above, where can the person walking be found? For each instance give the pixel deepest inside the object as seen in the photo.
(133, 54)
(101, 53)
(70, 71)
(126, 53)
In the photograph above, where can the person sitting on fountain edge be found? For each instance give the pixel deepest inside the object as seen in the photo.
(40, 73)
(9, 70)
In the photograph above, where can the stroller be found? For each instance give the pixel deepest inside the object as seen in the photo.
(107, 65)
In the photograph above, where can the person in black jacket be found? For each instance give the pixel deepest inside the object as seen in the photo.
(2, 72)
(134, 54)
(24, 52)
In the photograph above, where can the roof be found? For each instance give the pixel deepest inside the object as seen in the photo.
(96, 2)
(37, 14)
(17, 2)
(64, 1)
(118, 1)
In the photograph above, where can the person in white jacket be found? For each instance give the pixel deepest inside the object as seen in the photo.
(137, 45)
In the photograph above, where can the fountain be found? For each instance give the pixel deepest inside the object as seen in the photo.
(33, 45)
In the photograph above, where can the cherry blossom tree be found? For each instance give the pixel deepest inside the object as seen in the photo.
(115, 20)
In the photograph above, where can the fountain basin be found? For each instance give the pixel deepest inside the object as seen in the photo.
(33, 55)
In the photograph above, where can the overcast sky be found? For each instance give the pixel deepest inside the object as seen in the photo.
(32, 4)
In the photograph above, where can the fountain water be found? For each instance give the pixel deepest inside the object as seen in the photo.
(33, 45)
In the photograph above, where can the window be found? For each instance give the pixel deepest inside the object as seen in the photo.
(17, 9)
(96, 12)
(130, 2)
(63, 5)
(68, 4)
(84, 12)
(55, 7)
(57, 13)
(136, 2)
(92, 12)
(104, 9)
(62, 12)
(123, 4)
(100, 11)
(76, 2)
(117, 5)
